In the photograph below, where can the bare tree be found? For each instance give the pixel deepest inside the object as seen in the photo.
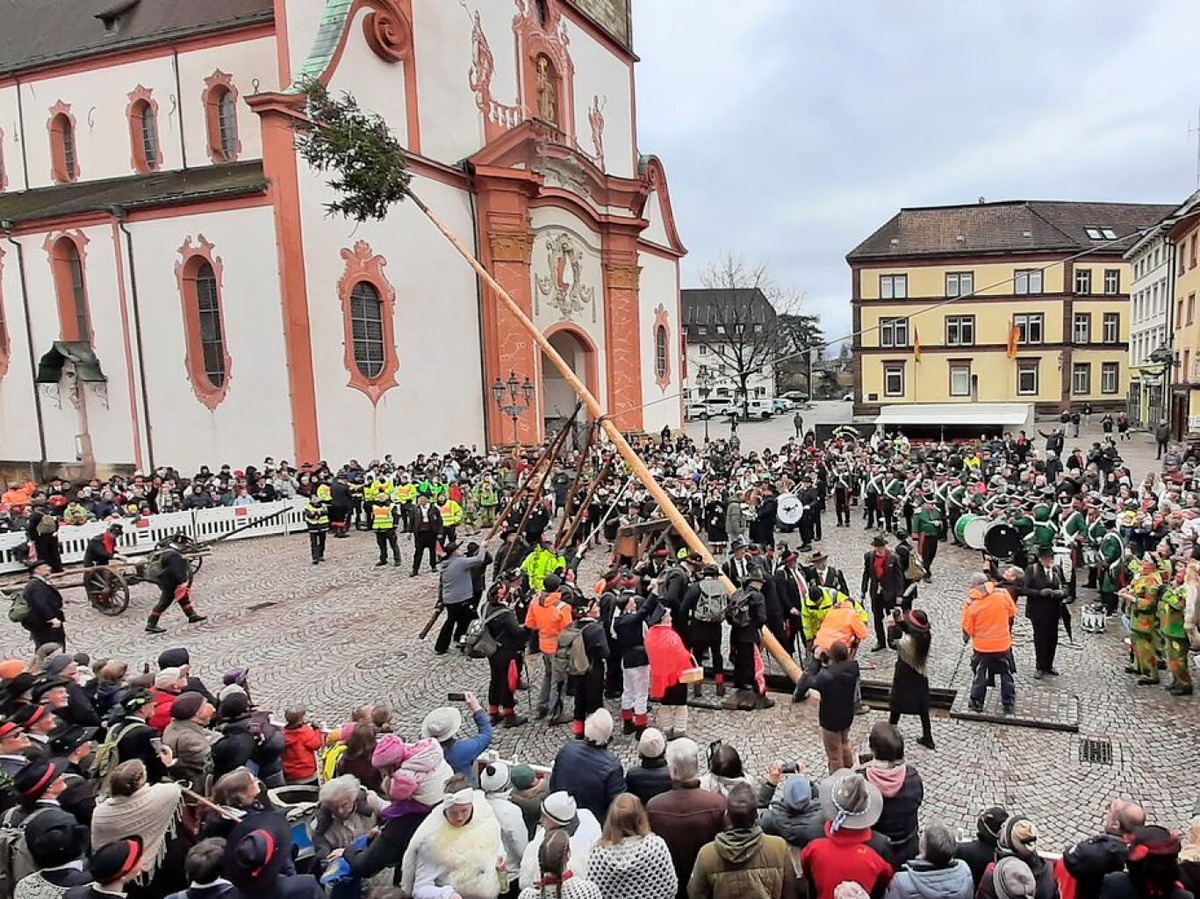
(743, 313)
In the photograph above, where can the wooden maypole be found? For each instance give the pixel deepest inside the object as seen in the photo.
(598, 413)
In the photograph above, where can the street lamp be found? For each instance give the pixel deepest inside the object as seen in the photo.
(1165, 357)
(704, 388)
(519, 396)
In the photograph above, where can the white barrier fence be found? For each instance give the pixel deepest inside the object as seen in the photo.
(143, 534)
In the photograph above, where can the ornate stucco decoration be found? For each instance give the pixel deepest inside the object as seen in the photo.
(563, 287)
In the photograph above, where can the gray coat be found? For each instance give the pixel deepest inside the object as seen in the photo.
(735, 519)
(457, 585)
(918, 879)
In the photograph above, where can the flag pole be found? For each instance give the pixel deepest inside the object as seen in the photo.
(599, 414)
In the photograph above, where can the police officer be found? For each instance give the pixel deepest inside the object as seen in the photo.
(316, 518)
(383, 523)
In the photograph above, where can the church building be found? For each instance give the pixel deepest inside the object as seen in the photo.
(173, 291)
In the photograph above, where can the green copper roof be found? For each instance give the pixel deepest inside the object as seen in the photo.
(329, 35)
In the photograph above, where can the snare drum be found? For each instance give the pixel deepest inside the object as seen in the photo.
(1093, 618)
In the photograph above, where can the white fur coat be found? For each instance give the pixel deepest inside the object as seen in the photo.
(442, 859)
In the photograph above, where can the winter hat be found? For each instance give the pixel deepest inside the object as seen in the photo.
(1020, 835)
(850, 890)
(522, 777)
(236, 676)
(10, 668)
(990, 822)
(58, 663)
(186, 706)
(167, 677)
(560, 808)
(442, 724)
(652, 745)
(176, 657)
(1012, 879)
(1152, 841)
(230, 690)
(233, 707)
(34, 779)
(598, 727)
(389, 752)
(797, 790)
(551, 582)
(495, 778)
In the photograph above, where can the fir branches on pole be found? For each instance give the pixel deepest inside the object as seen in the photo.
(369, 166)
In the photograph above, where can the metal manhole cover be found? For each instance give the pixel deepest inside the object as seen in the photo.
(1096, 752)
(258, 606)
(381, 661)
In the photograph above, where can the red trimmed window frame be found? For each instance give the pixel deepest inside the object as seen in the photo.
(3, 167)
(191, 256)
(217, 86)
(70, 317)
(142, 105)
(64, 167)
(363, 264)
(661, 328)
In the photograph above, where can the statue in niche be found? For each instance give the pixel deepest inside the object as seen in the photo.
(547, 91)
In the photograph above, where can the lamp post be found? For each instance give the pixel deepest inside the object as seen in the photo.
(1165, 357)
(704, 388)
(519, 396)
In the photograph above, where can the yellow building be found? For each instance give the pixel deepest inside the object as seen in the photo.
(1185, 324)
(938, 292)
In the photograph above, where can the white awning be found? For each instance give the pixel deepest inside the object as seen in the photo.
(957, 414)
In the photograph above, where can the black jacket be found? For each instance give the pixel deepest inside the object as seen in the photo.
(630, 630)
(45, 603)
(1092, 860)
(978, 855)
(648, 779)
(135, 744)
(836, 684)
(898, 820)
(1119, 886)
(1035, 581)
(507, 632)
(833, 577)
(96, 554)
(752, 632)
(892, 582)
(176, 570)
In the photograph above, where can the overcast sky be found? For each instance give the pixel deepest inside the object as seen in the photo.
(792, 129)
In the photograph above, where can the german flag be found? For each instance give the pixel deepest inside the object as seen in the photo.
(1014, 334)
(916, 345)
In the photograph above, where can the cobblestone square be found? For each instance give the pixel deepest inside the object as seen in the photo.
(344, 633)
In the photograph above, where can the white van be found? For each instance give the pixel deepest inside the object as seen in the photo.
(756, 410)
(713, 407)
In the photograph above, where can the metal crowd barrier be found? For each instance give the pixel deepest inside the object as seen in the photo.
(144, 533)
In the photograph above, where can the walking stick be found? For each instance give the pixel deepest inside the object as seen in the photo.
(961, 654)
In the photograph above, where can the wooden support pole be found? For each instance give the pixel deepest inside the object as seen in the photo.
(569, 510)
(551, 454)
(598, 413)
(587, 501)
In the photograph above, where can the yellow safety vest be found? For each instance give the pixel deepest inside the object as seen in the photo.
(406, 493)
(451, 513)
(381, 517)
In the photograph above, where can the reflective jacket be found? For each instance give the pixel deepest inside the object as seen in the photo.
(987, 618)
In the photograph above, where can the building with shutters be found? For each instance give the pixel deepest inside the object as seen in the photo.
(1024, 302)
(172, 291)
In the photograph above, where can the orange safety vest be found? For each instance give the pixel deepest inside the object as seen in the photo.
(987, 618)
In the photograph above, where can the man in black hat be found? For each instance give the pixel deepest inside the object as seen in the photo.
(136, 739)
(174, 582)
(738, 565)
(256, 852)
(746, 618)
(36, 786)
(113, 866)
(57, 844)
(1044, 587)
(883, 583)
(44, 620)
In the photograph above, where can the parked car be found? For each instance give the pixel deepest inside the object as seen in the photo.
(713, 407)
(796, 396)
(781, 404)
(755, 410)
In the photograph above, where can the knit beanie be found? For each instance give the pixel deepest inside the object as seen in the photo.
(186, 705)
(990, 822)
(390, 751)
(495, 778)
(523, 777)
(598, 727)
(1019, 835)
(1012, 879)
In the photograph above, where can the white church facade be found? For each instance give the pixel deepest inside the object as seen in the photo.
(172, 291)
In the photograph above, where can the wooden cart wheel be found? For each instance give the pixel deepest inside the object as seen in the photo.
(195, 563)
(110, 593)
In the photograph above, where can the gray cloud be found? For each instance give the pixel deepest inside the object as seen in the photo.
(792, 130)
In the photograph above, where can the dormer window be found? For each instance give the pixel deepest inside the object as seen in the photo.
(115, 15)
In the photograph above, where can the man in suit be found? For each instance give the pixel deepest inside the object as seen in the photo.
(788, 588)
(819, 573)
(882, 582)
(427, 527)
(1044, 588)
(738, 565)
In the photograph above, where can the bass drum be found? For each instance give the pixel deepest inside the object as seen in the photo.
(975, 531)
(1001, 540)
(960, 528)
(1064, 559)
(1093, 618)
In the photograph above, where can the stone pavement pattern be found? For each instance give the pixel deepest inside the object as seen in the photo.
(344, 633)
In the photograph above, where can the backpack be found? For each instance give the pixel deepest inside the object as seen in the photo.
(479, 642)
(916, 568)
(155, 567)
(737, 611)
(571, 658)
(18, 610)
(16, 861)
(47, 525)
(713, 601)
(106, 759)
